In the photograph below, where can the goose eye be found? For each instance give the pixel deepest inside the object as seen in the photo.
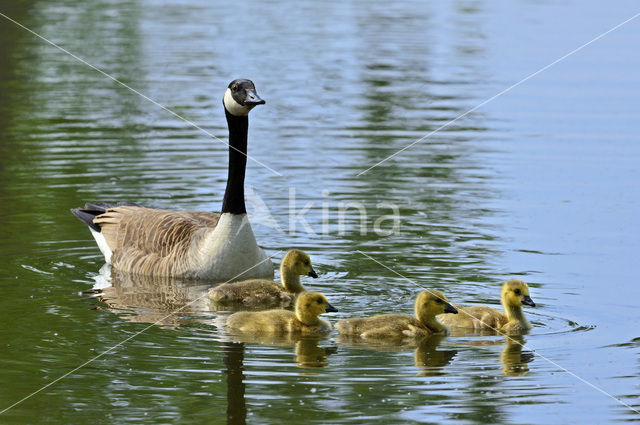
(516, 291)
(234, 87)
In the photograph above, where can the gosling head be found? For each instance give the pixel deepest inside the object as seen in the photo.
(431, 303)
(309, 305)
(241, 97)
(515, 293)
(299, 263)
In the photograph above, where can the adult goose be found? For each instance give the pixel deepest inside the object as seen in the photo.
(189, 244)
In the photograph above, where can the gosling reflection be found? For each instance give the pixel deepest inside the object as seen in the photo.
(308, 354)
(165, 301)
(428, 357)
(514, 361)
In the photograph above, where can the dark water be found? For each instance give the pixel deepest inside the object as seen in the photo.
(540, 184)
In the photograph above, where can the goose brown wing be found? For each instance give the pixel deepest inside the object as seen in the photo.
(143, 238)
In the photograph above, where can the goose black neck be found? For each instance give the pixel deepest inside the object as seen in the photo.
(234, 194)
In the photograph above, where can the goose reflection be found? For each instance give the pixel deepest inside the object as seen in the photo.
(165, 301)
(234, 362)
(308, 355)
(170, 302)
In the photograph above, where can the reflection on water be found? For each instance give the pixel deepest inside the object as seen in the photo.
(171, 302)
(233, 360)
(428, 357)
(514, 357)
(308, 354)
(515, 361)
(165, 301)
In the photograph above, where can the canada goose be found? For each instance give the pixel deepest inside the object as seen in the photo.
(514, 294)
(265, 293)
(429, 303)
(305, 320)
(189, 244)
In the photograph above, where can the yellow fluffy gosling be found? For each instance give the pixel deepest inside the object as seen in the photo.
(514, 294)
(428, 305)
(305, 320)
(266, 293)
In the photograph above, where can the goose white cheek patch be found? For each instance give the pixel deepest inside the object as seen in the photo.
(234, 107)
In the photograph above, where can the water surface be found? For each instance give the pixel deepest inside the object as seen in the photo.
(539, 184)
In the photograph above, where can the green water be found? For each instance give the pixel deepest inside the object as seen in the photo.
(541, 184)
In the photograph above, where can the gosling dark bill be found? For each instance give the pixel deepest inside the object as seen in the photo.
(450, 309)
(528, 301)
(331, 309)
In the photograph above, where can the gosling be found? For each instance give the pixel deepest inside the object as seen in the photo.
(514, 294)
(265, 293)
(428, 305)
(305, 320)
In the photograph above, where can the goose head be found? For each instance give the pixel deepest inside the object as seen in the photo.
(299, 263)
(515, 293)
(241, 97)
(309, 305)
(431, 303)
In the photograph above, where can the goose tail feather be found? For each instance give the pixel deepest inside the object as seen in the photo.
(91, 211)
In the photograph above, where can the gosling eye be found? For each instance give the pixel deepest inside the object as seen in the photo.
(439, 301)
(319, 300)
(306, 262)
(516, 291)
